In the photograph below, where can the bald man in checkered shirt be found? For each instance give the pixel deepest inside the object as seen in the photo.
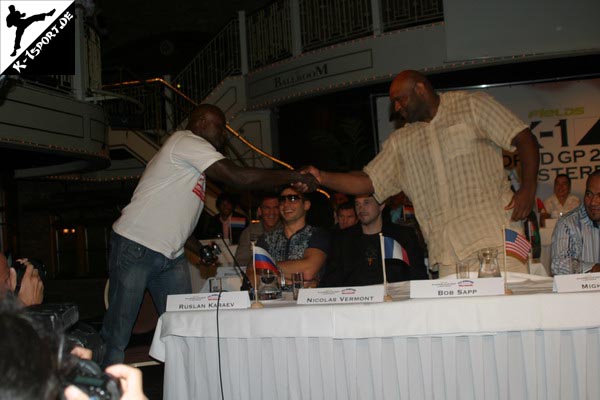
(448, 160)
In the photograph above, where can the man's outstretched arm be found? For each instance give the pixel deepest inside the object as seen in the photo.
(353, 182)
(227, 172)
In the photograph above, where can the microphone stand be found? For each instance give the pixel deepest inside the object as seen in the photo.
(246, 285)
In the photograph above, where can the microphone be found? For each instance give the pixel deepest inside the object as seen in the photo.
(246, 285)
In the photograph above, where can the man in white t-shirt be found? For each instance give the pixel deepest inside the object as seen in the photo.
(146, 247)
(561, 201)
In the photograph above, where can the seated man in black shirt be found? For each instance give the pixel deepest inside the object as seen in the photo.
(355, 258)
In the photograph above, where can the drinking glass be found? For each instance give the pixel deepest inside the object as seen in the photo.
(462, 270)
(297, 283)
(269, 287)
(575, 266)
(216, 285)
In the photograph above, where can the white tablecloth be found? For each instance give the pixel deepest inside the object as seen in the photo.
(529, 346)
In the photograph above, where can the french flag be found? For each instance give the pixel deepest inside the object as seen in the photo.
(238, 222)
(263, 260)
(392, 249)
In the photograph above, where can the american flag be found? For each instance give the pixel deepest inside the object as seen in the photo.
(517, 245)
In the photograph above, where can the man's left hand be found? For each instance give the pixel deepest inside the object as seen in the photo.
(521, 204)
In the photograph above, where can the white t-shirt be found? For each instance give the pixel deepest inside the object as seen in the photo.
(555, 209)
(169, 198)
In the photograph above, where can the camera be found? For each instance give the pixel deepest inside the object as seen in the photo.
(20, 269)
(209, 254)
(94, 382)
(63, 319)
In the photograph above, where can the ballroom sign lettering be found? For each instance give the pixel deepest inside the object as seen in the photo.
(311, 75)
(300, 76)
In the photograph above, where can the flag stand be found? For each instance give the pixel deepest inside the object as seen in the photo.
(256, 304)
(506, 289)
(386, 296)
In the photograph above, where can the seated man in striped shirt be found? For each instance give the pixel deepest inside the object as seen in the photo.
(577, 234)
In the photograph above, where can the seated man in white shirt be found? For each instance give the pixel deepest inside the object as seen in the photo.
(562, 201)
(577, 234)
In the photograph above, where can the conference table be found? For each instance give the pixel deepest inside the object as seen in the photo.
(533, 344)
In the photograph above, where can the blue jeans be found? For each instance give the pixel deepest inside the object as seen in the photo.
(132, 269)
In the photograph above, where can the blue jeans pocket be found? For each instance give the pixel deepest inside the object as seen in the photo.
(132, 251)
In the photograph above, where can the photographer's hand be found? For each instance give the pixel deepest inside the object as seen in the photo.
(131, 384)
(131, 381)
(32, 288)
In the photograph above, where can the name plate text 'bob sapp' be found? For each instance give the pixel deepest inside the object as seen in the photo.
(456, 288)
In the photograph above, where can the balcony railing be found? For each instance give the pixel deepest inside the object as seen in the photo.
(324, 22)
(397, 14)
(269, 34)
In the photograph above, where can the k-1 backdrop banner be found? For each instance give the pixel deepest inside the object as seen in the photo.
(37, 37)
(564, 117)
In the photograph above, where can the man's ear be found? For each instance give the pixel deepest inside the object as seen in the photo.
(307, 205)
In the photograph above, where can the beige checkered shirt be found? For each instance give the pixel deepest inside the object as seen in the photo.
(452, 170)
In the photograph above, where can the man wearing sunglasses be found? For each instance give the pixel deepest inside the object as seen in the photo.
(296, 246)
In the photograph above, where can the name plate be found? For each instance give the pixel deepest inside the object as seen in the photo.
(355, 294)
(577, 283)
(208, 301)
(456, 288)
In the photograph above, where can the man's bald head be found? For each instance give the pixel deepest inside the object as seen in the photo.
(202, 111)
(413, 96)
(208, 121)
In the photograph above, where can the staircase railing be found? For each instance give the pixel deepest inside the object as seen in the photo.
(279, 30)
(156, 122)
(219, 59)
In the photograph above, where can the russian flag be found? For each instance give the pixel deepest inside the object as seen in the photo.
(263, 260)
(392, 249)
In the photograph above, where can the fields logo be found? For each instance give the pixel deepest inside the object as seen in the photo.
(37, 37)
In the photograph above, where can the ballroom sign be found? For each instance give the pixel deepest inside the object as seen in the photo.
(312, 72)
